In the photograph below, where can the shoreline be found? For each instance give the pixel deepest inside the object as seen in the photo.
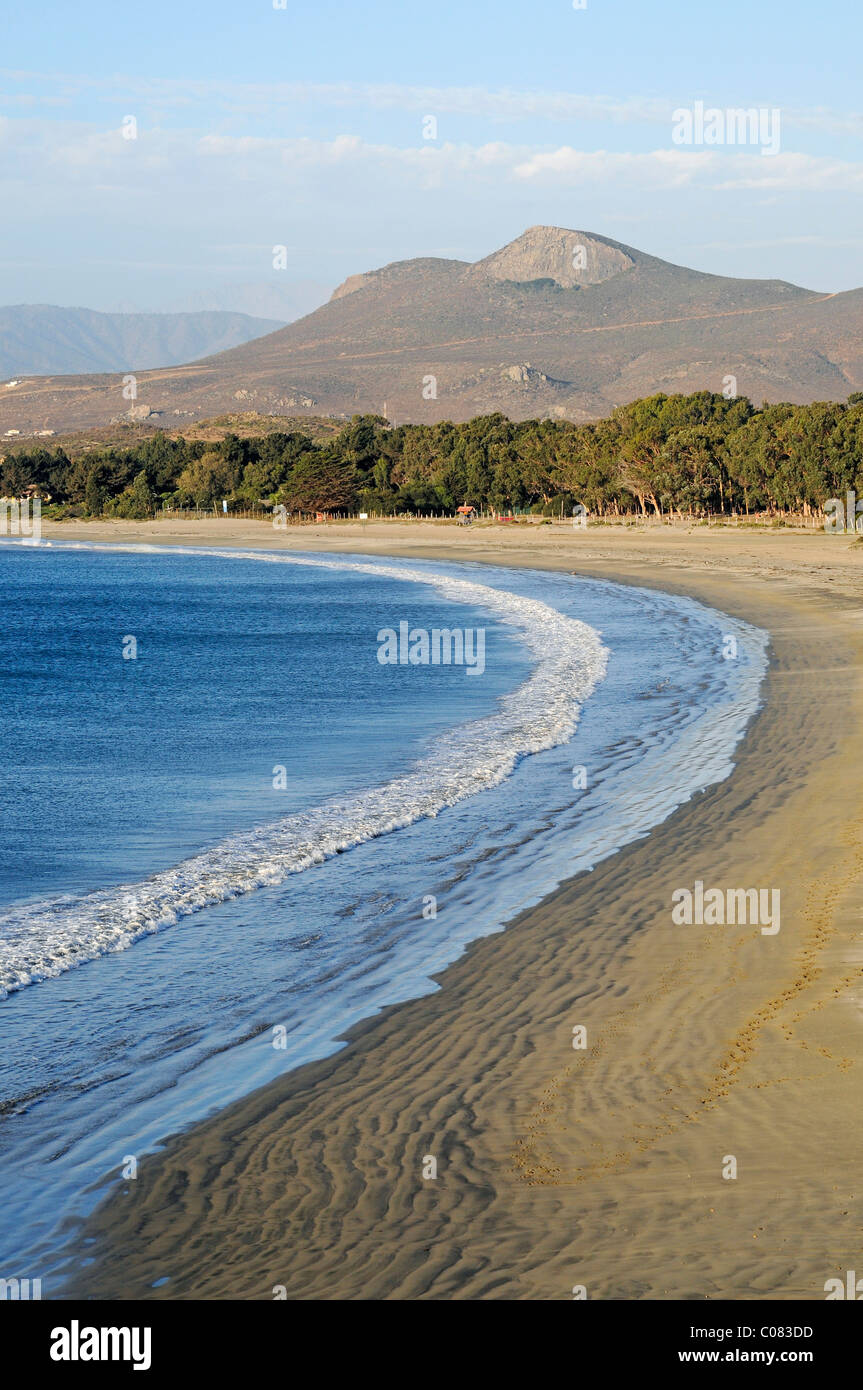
(556, 1167)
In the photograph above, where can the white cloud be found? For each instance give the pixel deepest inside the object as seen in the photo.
(42, 151)
(732, 169)
(668, 168)
(795, 173)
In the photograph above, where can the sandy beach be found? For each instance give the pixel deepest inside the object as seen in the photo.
(600, 1167)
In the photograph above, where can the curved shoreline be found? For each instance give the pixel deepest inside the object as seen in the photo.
(600, 1167)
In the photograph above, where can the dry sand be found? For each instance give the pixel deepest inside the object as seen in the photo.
(557, 1167)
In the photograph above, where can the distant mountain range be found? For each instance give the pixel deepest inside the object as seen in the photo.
(557, 323)
(44, 339)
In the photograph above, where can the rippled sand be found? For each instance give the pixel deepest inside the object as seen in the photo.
(557, 1167)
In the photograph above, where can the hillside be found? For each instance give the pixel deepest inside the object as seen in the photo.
(557, 323)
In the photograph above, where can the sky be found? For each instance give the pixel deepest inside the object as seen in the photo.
(353, 135)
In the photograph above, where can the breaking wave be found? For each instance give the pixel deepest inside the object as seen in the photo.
(45, 938)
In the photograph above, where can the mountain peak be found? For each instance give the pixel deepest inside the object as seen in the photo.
(568, 257)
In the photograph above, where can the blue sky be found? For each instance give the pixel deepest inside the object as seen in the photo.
(305, 126)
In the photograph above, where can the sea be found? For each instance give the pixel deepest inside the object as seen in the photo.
(244, 808)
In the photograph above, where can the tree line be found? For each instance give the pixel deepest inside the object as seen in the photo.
(664, 455)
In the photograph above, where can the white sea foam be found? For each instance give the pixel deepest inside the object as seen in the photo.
(46, 938)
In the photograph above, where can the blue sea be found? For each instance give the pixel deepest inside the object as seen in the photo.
(230, 830)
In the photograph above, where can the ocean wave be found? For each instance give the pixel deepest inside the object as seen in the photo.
(48, 937)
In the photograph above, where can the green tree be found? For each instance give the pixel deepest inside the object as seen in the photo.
(136, 501)
(322, 482)
(207, 479)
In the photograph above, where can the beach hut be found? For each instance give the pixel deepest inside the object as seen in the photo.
(465, 515)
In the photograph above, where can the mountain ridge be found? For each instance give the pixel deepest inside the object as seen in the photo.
(557, 322)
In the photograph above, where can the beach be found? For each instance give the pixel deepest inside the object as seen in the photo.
(597, 1170)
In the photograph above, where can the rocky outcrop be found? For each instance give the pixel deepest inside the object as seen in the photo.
(353, 282)
(554, 253)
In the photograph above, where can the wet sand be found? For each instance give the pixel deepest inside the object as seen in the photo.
(558, 1167)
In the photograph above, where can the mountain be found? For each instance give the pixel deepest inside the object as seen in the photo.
(43, 338)
(558, 322)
